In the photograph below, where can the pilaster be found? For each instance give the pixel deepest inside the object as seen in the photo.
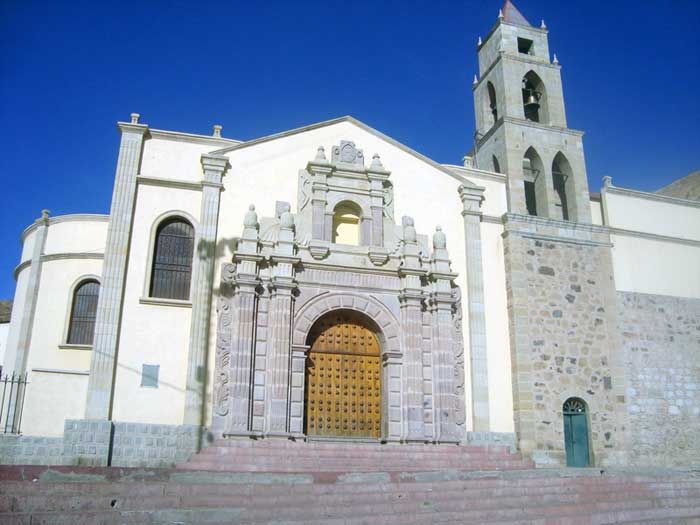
(471, 214)
(443, 333)
(279, 367)
(21, 340)
(109, 306)
(411, 301)
(214, 168)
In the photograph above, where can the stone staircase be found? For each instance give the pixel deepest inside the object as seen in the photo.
(277, 455)
(94, 495)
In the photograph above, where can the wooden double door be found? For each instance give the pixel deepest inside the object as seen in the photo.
(343, 378)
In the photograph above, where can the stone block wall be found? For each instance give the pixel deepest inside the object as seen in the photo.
(562, 311)
(89, 442)
(661, 348)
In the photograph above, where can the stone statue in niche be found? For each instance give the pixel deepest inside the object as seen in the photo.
(347, 153)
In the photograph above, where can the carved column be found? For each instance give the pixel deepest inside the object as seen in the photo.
(319, 169)
(277, 399)
(214, 168)
(410, 297)
(246, 283)
(109, 305)
(471, 213)
(296, 404)
(443, 362)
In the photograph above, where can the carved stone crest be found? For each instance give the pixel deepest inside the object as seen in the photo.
(347, 153)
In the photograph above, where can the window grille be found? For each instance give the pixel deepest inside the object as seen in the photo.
(172, 260)
(81, 329)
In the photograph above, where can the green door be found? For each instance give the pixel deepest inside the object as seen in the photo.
(576, 433)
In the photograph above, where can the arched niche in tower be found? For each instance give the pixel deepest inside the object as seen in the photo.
(493, 102)
(496, 164)
(533, 180)
(563, 181)
(534, 98)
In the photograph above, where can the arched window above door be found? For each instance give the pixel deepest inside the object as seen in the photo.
(346, 224)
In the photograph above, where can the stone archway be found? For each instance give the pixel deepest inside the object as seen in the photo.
(386, 329)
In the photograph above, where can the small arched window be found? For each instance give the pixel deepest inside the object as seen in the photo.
(346, 224)
(81, 329)
(496, 165)
(172, 260)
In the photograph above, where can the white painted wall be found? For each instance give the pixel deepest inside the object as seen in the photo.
(4, 330)
(644, 262)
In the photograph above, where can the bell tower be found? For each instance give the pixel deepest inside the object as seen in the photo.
(521, 126)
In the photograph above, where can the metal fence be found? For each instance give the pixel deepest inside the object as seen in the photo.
(13, 388)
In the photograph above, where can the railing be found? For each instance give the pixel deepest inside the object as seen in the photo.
(13, 388)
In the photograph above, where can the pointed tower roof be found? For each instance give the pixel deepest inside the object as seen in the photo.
(511, 15)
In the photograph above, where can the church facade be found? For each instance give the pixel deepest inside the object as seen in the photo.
(329, 282)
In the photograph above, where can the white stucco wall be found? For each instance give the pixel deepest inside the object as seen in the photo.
(57, 375)
(153, 334)
(656, 243)
(4, 330)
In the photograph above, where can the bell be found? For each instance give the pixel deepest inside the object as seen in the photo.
(532, 103)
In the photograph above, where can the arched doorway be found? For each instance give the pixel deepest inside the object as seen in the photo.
(576, 433)
(342, 397)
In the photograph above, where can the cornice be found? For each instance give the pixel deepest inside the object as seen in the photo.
(528, 124)
(654, 236)
(477, 172)
(169, 183)
(609, 188)
(87, 217)
(57, 257)
(195, 138)
(60, 371)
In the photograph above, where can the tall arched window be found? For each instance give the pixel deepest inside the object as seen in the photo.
(493, 104)
(81, 328)
(172, 260)
(561, 179)
(533, 176)
(534, 98)
(346, 224)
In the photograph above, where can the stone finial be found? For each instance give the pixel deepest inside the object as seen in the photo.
(607, 181)
(439, 239)
(556, 60)
(251, 218)
(320, 155)
(45, 214)
(135, 118)
(409, 230)
(500, 14)
(217, 131)
(376, 163)
(478, 43)
(475, 81)
(543, 25)
(286, 217)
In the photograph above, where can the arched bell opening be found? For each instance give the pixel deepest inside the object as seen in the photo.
(576, 433)
(534, 98)
(563, 181)
(533, 180)
(493, 103)
(343, 390)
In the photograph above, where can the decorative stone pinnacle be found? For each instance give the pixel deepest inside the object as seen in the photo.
(321, 154)
(376, 163)
(251, 218)
(217, 130)
(543, 25)
(500, 14)
(439, 239)
(479, 42)
(45, 214)
(607, 181)
(556, 60)
(135, 118)
(476, 81)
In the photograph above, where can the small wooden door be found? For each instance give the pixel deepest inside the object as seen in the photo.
(343, 378)
(576, 433)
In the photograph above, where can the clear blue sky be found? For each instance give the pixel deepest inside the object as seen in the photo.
(70, 70)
